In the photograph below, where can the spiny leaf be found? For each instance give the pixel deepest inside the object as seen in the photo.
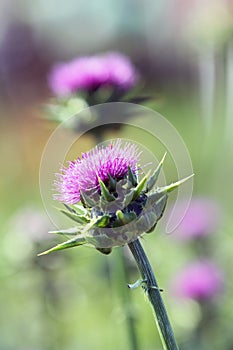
(105, 251)
(112, 183)
(79, 209)
(128, 198)
(154, 198)
(132, 177)
(78, 218)
(105, 192)
(86, 200)
(154, 177)
(101, 221)
(69, 208)
(80, 240)
(155, 205)
(139, 188)
(173, 186)
(125, 218)
(152, 228)
(69, 231)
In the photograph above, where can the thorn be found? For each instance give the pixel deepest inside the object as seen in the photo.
(143, 284)
(132, 177)
(174, 185)
(138, 189)
(105, 192)
(154, 177)
(137, 284)
(69, 208)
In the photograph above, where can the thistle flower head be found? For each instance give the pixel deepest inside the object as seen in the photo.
(91, 72)
(199, 280)
(104, 195)
(83, 174)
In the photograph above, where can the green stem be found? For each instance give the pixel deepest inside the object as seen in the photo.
(153, 292)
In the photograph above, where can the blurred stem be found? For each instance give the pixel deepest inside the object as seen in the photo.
(205, 327)
(126, 299)
(154, 296)
(229, 93)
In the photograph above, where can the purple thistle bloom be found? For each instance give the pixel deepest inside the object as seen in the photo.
(200, 281)
(91, 72)
(201, 219)
(116, 206)
(100, 162)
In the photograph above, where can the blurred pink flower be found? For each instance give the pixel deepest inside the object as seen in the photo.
(90, 72)
(199, 280)
(202, 218)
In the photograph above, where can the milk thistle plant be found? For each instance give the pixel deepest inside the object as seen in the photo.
(113, 204)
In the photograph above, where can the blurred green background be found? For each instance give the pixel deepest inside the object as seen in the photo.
(75, 300)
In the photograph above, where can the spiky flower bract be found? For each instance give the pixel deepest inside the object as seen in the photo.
(88, 73)
(103, 193)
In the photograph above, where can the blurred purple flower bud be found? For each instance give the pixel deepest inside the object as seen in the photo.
(91, 72)
(199, 280)
(202, 218)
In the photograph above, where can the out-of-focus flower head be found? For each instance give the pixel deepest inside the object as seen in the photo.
(89, 73)
(103, 194)
(89, 81)
(202, 218)
(200, 280)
